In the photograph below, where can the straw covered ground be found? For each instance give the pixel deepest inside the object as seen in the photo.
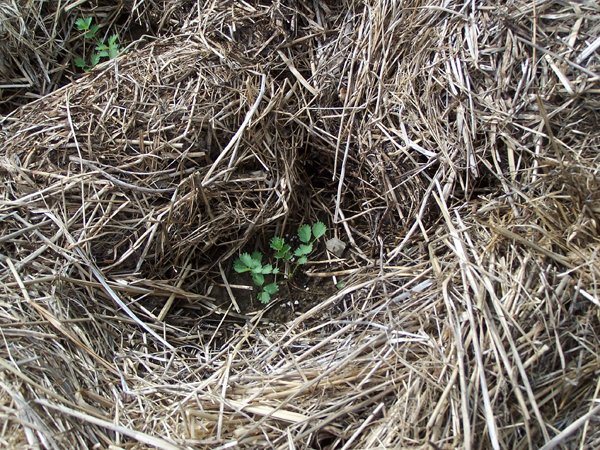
(452, 146)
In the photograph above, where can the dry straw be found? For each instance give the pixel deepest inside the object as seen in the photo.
(453, 146)
(39, 43)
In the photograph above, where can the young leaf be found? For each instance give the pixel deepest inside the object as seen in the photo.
(285, 253)
(83, 24)
(304, 233)
(271, 288)
(302, 260)
(91, 33)
(80, 62)
(318, 229)
(258, 278)
(239, 266)
(303, 249)
(264, 297)
(94, 29)
(247, 260)
(94, 59)
(277, 243)
(267, 269)
(275, 271)
(257, 256)
(113, 46)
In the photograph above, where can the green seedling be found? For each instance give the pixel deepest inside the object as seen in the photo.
(110, 49)
(85, 25)
(103, 49)
(252, 263)
(308, 236)
(283, 251)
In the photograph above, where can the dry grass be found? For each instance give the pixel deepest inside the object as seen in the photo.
(39, 43)
(454, 149)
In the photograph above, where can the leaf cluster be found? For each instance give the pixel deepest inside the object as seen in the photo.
(103, 49)
(308, 236)
(252, 263)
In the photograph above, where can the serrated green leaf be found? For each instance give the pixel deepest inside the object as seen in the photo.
(101, 47)
(257, 256)
(239, 266)
(264, 297)
(91, 33)
(94, 59)
(83, 24)
(303, 249)
(267, 269)
(285, 253)
(318, 229)
(258, 278)
(340, 285)
(112, 40)
(302, 260)
(277, 243)
(80, 62)
(113, 50)
(304, 233)
(275, 271)
(247, 260)
(271, 288)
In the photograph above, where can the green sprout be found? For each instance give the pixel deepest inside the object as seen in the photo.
(109, 50)
(308, 236)
(103, 49)
(85, 25)
(283, 250)
(252, 263)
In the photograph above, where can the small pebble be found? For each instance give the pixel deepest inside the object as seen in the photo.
(336, 246)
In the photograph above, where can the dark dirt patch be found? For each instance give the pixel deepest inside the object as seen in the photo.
(294, 297)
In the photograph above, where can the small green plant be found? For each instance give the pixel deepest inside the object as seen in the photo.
(252, 263)
(102, 49)
(110, 49)
(85, 25)
(308, 236)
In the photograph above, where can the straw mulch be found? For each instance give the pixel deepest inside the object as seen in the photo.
(454, 148)
(39, 42)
